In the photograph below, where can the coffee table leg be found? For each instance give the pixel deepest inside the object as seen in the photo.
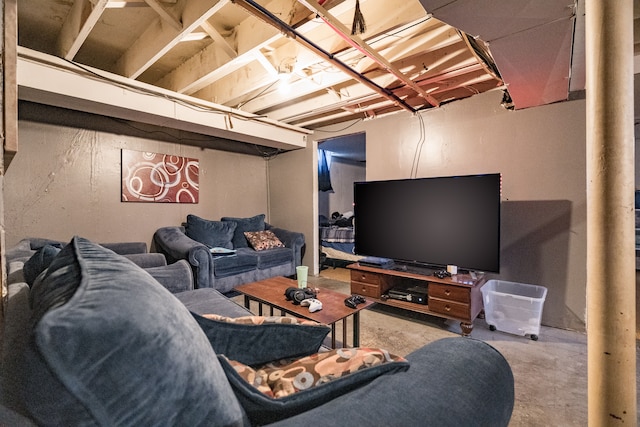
(247, 302)
(333, 335)
(344, 332)
(356, 329)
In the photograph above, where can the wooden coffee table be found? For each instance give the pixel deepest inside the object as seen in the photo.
(271, 292)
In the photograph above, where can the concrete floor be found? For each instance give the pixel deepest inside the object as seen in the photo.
(550, 374)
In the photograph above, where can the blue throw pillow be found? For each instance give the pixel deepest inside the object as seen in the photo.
(255, 223)
(211, 233)
(111, 346)
(253, 344)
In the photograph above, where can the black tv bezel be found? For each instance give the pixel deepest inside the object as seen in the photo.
(429, 264)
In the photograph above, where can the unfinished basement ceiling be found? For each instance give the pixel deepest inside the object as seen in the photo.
(297, 61)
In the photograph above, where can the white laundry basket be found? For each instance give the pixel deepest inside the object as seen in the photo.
(513, 307)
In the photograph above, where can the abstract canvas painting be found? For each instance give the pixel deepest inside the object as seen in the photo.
(160, 178)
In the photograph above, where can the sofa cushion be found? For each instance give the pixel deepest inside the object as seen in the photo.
(243, 260)
(255, 223)
(210, 233)
(39, 262)
(273, 257)
(209, 300)
(285, 377)
(270, 340)
(261, 240)
(111, 346)
(307, 382)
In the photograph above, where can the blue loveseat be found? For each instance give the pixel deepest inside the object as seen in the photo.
(96, 340)
(194, 241)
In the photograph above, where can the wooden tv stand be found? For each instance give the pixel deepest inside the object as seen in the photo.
(456, 297)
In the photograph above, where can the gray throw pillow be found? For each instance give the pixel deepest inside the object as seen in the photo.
(111, 346)
(255, 223)
(210, 233)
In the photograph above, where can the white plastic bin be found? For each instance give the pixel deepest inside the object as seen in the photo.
(513, 307)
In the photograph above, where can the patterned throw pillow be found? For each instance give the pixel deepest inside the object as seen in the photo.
(272, 392)
(285, 377)
(261, 240)
(261, 320)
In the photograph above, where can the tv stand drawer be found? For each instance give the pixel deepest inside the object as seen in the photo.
(449, 308)
(365, 289)
(365, 277)
(448, 292)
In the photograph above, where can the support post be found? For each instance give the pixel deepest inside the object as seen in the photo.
(611, 313)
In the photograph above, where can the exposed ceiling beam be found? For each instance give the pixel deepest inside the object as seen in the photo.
(76, 28)
(363, 47)
(158, 39)
(395, 53)
(164, 14)
(119, 4)
(219, 39)
(196, 73)
(52, 81)
(274, 21)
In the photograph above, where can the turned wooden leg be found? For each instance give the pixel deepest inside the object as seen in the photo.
(466, 328)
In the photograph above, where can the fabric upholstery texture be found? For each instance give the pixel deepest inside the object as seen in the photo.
(225, 272)
(257, 344)
(39, 262)
(243, 260)
(176, 277)
(209, 300)
(263, 409)
(261, 320)
(274, 257)
(261, 240)
(111, 346)
(210, 233)
(451, 382)
(255, 223)
(284, 377)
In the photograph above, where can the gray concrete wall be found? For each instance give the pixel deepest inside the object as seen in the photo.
(65, 181)
(292, 200)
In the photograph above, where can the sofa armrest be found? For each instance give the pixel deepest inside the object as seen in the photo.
(176, 277)
(147, 260)
(453, 381)
(291, 239)
(126, 248)
(175, 245)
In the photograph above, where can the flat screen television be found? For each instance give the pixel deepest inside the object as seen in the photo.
(431, 222)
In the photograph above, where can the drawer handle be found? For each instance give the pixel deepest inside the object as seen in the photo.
(447, 292)
(447, 308)
(363, 277)
(364, 290)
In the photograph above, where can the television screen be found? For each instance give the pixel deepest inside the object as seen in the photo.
(432, 222)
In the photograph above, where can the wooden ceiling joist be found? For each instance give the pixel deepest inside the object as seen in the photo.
(82, 18)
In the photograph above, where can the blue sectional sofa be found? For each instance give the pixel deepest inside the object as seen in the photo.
(97, 340)
(194, 241)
